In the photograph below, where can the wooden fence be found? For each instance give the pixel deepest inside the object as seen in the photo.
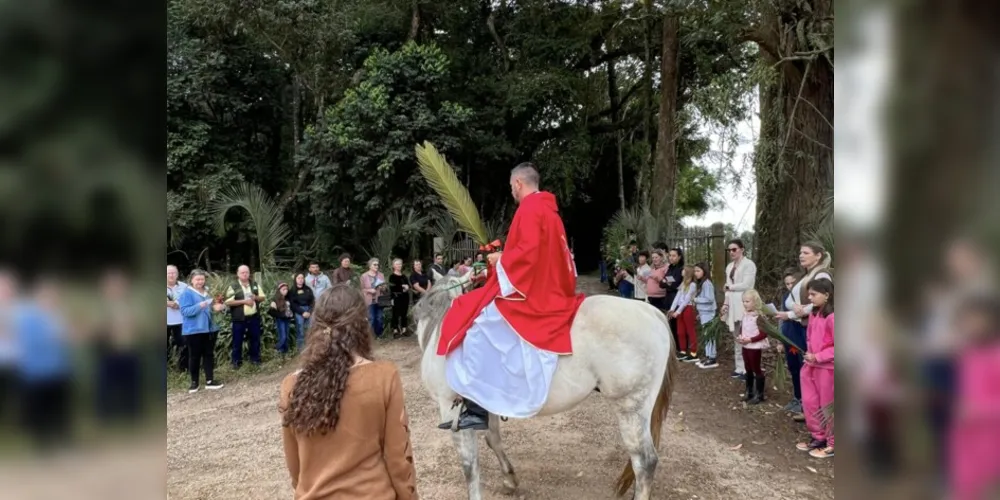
(707, 245)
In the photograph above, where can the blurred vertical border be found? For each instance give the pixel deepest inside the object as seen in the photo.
(82, 200)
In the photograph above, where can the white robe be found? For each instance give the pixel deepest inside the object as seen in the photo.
(496, 368)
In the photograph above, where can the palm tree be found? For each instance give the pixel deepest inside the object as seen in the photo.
(265, 215)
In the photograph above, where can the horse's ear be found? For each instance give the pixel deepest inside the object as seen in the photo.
(436, 275)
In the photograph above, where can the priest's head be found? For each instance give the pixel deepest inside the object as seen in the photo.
(523, 181)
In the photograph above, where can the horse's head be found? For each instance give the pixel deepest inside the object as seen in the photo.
(429, 312)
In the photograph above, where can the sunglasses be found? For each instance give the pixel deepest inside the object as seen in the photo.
(733, 249)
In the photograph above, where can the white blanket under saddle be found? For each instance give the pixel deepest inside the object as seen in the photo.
(496, 368)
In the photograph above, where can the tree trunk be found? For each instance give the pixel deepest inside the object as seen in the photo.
(665, 175)
(615, 111)
(642, 190)
(414, 20)
(794, 160)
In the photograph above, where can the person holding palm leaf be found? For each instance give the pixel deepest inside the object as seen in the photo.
(524, 311)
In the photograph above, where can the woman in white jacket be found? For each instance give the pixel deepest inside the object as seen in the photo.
(741, 275)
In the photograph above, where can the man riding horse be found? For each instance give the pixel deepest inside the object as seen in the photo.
(503, 340)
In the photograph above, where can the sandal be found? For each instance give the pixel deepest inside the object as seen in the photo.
(822, 452)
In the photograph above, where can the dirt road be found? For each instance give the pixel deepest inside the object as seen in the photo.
(227, 444)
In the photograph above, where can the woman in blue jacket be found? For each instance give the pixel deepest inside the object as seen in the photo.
(197, 306)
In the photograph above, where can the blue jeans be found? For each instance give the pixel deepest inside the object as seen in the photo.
(251, 328)
(301, 325)
(375, 318)
(796, 332)
(282, 324)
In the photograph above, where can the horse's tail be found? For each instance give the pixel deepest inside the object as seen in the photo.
(660, 408)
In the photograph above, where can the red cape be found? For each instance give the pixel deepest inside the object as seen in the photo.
(537, 262)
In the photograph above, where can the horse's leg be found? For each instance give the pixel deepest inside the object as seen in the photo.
(467, 445)
(634, 426)
(495, 444)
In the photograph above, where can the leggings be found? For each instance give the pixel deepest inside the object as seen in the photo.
(751, 359)
(400, 306)
(686, 332)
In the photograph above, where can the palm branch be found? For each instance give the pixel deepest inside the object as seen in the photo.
(712, 332)
(439, 174)
(765, 325)
(266, 216)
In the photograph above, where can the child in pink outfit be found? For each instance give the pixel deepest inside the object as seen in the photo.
(975, 434)
(817, 373)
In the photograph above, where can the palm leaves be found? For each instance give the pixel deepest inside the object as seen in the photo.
(396, 229)
(264, 213)
(453, 195)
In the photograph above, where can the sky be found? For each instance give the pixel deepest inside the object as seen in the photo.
(739, 202)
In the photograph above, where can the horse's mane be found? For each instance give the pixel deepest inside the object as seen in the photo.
(435, 304)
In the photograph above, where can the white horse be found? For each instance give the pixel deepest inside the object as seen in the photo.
(621, 347)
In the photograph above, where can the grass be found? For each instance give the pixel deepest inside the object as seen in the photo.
(179, 381)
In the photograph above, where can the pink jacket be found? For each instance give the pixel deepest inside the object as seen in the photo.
(749, 331)
(819, 340)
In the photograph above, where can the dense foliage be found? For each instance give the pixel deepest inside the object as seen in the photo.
(321, 103)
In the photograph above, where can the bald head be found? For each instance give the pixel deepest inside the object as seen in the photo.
(524, 180)
(243, 272)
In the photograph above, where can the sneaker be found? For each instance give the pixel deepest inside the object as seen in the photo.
(688, 358)
(193, 388)
(793, 406)
(708, 363)
(681, 356)
(826, 452)
(799, 417)
(738, 376)
(214, 384)
(815, 444)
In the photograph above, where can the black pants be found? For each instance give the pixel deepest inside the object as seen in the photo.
(8, 396)
(178, 347)
(46, 408)
(201, 348)
(118, 385)
(400, 308)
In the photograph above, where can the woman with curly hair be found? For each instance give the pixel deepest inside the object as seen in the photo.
(345, 428)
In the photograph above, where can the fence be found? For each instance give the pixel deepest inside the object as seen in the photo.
(460, 249)
(705, 244)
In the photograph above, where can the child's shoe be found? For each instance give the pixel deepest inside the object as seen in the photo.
(826, 452)
(815, 444)
(708, 363)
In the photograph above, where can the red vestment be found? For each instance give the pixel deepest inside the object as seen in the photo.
(537, 261)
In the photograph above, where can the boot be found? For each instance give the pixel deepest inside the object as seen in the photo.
(750, 387)
(759, 392)
(473, 417)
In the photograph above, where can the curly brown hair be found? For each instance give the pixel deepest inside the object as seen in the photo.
(339, 332)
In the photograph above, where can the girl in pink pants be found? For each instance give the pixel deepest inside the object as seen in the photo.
(975, 434)
(817, 374)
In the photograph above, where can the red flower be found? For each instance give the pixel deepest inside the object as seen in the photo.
(793, 350)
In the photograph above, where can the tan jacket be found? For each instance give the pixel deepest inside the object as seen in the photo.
(368, 455)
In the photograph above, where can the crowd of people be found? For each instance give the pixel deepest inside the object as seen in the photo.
(687, 297)
(193, 327)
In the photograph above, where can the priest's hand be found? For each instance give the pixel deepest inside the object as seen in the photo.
(493, 258)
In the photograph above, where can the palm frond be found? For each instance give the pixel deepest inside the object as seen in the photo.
(713, 331)
(264, 213)
(765, 324)
(453, 195)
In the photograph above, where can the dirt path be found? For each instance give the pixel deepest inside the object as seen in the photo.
(226, 444)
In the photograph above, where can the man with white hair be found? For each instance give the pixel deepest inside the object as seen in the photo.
(242, 298)
(523, 313)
